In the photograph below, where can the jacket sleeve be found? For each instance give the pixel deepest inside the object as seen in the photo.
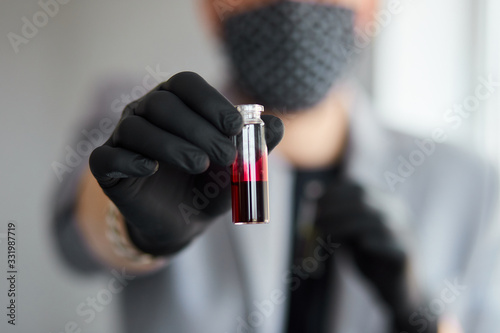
(454, 197)
(481, 305)
(95, 128)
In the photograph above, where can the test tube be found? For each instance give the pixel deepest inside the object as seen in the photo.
(249, 186)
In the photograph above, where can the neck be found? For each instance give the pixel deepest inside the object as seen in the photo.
(315, 138)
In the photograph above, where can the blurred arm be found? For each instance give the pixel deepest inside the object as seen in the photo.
(91, 209)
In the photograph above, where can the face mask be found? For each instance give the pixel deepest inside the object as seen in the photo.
(288, 55)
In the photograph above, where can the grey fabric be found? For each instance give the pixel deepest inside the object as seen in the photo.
(288, 54)
(67, 238)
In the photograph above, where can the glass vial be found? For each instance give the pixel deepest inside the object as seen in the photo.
(249, 186)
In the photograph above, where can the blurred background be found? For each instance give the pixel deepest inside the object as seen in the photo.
(421, 62)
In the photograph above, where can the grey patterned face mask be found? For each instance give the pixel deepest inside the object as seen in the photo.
(287, 55)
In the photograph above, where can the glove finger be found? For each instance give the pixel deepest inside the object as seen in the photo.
(109, 164)
(138, 135)
(167, 111)
(205, 100)
(274, 131)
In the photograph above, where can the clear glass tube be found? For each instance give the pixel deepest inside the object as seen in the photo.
(249, 183)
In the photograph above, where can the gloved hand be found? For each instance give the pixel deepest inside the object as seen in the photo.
(165, 166)
(343, 214)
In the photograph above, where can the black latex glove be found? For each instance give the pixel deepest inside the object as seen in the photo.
(165, 166)
(343, 214)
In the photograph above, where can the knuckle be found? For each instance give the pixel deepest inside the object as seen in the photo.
(149, 103)
(158, 101)
(181, 78)
(131, 108)
(126, 126)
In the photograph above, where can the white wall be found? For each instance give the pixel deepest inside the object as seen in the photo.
(422, 64)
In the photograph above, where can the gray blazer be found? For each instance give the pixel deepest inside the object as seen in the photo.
(234, 278)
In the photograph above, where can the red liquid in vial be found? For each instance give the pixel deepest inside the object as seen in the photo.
(249, 190)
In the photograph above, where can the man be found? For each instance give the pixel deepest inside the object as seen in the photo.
(156, 200)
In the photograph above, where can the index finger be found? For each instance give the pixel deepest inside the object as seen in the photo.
(205, 100)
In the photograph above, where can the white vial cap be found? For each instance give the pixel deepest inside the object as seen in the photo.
(250, 112)
(243, 108)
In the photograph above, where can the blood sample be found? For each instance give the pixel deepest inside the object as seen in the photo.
(249, 186)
